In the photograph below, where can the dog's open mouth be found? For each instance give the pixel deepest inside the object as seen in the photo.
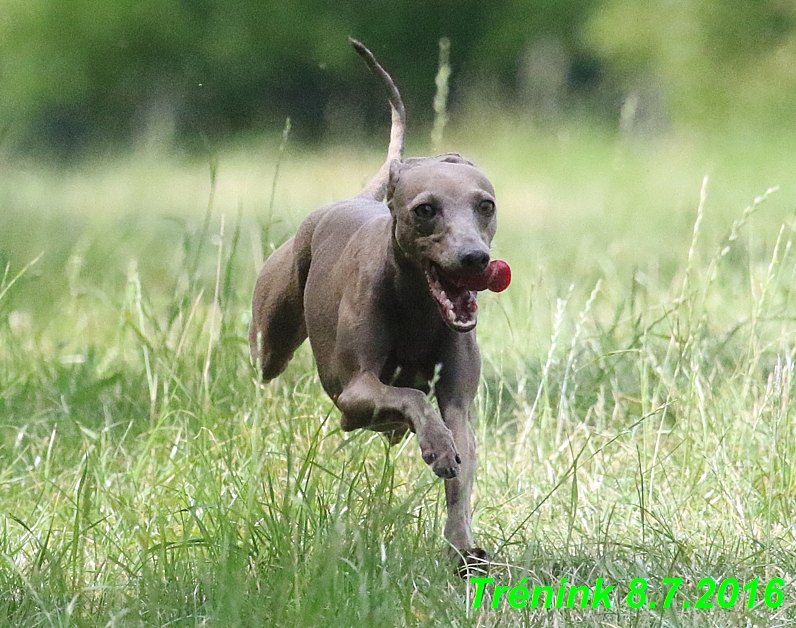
(457, 305)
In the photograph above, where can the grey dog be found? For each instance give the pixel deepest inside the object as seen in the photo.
(374, 282)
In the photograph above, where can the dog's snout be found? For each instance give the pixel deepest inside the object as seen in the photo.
(475, 261)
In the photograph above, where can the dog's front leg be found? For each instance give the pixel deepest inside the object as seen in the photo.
(455, 391)
(471, 559)
(458, 490)
(366, 402)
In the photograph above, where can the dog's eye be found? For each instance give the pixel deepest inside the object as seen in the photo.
(486, 208)
(425, 211)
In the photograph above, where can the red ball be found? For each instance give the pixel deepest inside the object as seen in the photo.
(496, 278)
(499, 275)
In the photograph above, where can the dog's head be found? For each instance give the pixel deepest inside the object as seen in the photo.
(443, 212)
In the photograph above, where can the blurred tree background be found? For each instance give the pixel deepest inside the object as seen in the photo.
(75, 73)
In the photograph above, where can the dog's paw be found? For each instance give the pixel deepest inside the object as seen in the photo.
(446, 467)
(440, 454)
(472, 563)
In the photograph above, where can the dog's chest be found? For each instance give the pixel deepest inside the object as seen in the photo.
(416, 331)
(415, 346)
(414, 354)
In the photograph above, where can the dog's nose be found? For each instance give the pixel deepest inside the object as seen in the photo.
(475, 261)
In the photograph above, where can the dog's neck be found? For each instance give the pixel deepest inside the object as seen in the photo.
(408, 282)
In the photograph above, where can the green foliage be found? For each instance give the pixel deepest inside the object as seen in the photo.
(87, 71)
(79, 69)
(713, 61)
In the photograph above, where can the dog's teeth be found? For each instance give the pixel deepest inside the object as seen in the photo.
(451, 316)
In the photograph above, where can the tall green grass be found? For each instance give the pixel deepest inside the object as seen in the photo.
(634, 416)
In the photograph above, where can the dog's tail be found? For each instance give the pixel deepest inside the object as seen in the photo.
(377, 186)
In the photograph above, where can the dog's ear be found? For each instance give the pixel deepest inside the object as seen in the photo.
(397, 167)
(453, 158)
(444, 158)
(392, 181)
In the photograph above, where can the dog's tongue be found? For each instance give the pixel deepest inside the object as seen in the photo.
(496, 278)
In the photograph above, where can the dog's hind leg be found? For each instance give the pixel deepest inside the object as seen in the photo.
(277, 327)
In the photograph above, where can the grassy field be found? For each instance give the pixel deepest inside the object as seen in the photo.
(634, 417)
